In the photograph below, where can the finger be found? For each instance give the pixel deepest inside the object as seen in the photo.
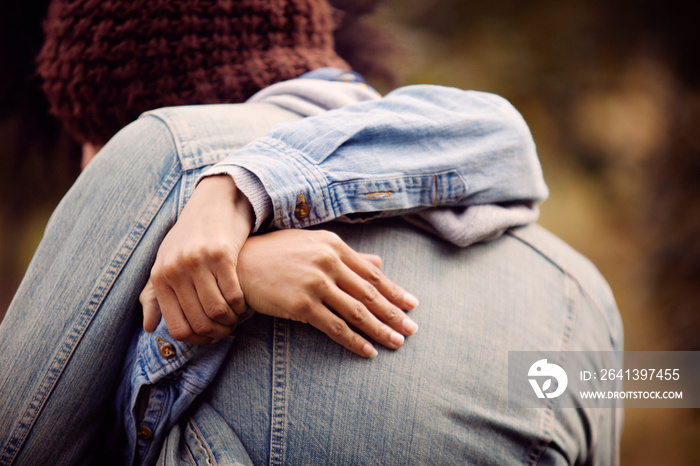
(204, 330)
(357, 315)
(178, 307)
(174, 317)
(373, 259)
(370, 272)
(212, 301)
(227, 281)
(151, 310)
(333, 326)
(378, 294)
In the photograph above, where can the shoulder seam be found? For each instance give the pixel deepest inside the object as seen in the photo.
(567, 271)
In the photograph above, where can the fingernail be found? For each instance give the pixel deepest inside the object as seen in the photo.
(410, 326)
(410, 300)
(396, 338)
(369, 351)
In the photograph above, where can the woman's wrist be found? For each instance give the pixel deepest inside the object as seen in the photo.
(218, 188)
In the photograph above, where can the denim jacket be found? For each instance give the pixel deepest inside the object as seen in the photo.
(467, 155)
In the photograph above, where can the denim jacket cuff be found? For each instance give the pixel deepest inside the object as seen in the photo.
(295, 187)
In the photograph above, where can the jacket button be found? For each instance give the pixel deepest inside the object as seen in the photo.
(302, 209)
(144, 433)
(166, 350)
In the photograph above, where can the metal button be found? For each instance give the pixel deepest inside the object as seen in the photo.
(302, 209)
(166, 350)
(144, 433)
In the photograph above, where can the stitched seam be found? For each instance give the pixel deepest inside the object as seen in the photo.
(565, 270)
(83, 320)
(547, 424)
(197, 435)
(279, 383)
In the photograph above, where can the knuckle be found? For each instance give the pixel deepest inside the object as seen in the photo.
(333, 239)
(168, 271)
(358, 314)
(157, 276)
(203, 329)
(235, 298)
(180, 332)
(324, 235)
(356, 342)
(371, 294)
(337, 329)
(325, 257)
(394, 293)
(393, 314)
(300, 305)
(319, 282)
(197, 254)
(218, 252)
(218, 312)
(374, 276)
(191, 257)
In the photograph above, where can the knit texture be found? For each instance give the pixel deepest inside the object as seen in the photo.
(104, 62)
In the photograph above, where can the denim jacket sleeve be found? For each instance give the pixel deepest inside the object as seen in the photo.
(418, 147)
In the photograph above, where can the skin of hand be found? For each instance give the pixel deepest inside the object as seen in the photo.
(313, 277)
(193, 281)
(195, 278)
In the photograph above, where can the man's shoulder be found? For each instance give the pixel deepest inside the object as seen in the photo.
(570, 262)
(189, 119)
(559, 253)
(204, 134)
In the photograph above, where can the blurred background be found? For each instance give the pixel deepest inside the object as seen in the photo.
(610, 89)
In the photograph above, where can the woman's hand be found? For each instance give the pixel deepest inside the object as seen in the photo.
(193, 280)
(296, 274)
(312, 276)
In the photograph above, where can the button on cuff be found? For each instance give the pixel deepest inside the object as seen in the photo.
(144, 433)
(166, 349)
(302, 209)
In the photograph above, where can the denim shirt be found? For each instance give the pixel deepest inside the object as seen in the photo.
(468, 155)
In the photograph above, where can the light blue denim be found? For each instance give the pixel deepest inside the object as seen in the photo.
(69, 327)
(288, 395)
(482, 142)
(66, 333)
(480, 151)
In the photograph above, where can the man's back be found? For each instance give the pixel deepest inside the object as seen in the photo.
(292, 396)
(288, 392)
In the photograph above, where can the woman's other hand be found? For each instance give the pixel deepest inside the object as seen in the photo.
(312, 276)
(193, 280)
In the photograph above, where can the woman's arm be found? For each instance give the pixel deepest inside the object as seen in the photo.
(295, 274)
(418, 147)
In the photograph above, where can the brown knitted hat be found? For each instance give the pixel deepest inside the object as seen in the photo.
(104, 62)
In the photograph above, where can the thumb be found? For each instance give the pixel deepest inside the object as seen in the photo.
(151, 309)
